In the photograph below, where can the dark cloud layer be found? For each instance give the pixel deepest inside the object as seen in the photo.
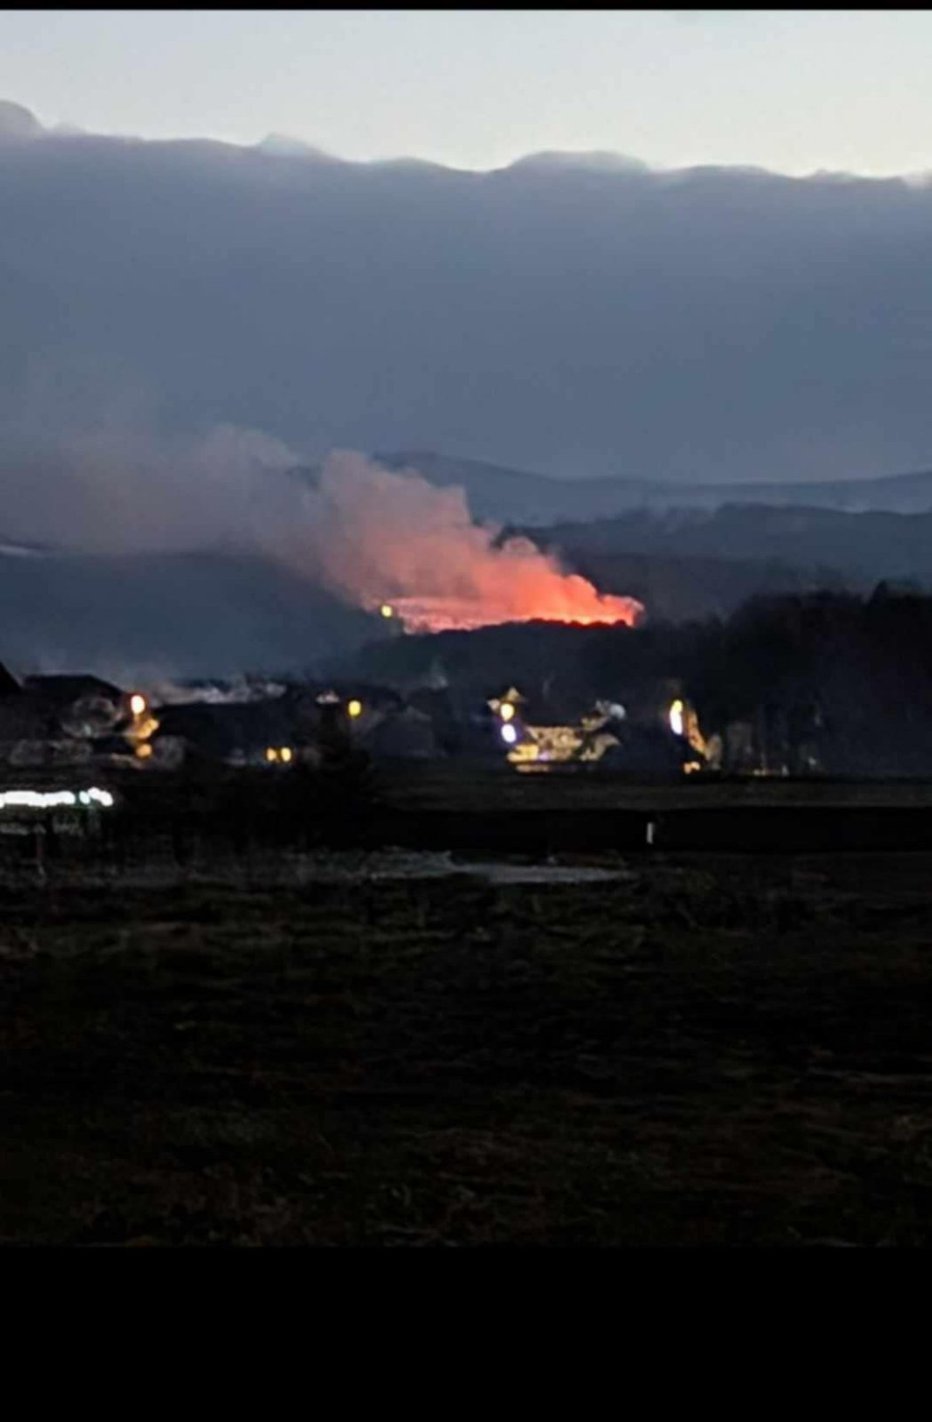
(586, 318)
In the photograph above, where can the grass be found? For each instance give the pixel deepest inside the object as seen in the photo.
(714, 1050)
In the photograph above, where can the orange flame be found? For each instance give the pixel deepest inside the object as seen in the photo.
(564, 598)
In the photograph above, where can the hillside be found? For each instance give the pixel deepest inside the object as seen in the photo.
(218, 613)
(693, 563)
(163, 614)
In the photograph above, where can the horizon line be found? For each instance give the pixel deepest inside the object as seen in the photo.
(607, 162)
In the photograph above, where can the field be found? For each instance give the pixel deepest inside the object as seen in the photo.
(706, 1049)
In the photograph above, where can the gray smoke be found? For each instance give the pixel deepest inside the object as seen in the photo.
(120, 484)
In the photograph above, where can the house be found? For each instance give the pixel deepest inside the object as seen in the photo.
(357, 701)
(9, 686)
(65, 689)
(32, 733)
(407, 734)
(84, 705)
(438, 706)
(233, 733)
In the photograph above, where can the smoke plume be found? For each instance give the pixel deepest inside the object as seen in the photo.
(385, 538)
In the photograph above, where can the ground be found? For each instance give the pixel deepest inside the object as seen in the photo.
(708, 1049)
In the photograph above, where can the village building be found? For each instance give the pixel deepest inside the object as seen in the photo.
(259, 733)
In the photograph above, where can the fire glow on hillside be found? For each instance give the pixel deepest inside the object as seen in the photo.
(400, 547)
(563, 597)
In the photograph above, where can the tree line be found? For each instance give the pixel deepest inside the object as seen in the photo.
(827, 681)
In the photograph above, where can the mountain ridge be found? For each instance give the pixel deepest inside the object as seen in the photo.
(500, 492)
(18, 120)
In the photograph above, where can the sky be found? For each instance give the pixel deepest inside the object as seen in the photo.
(793, 91)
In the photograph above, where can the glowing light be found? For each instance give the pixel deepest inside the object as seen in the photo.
(506, 711)
(144, 751)
(691, 767)
(522, 755)
(271, 754)
(509, 734)
(144, 726)
(137, 704)
(676, 717)
(54, 799)
(286, 754)
(387, 610)
(354, 708)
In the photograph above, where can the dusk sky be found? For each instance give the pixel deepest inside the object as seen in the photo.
(795, 91)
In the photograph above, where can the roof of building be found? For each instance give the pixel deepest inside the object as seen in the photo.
(377, 697)
(224, 728)
(409, 733)
(68, 688)
(28, 717)
(8, 683)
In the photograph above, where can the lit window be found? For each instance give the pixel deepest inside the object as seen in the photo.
(676, 718)
(354, 708)
(285, 754)
(271, 754)
(509, 734)
(506, 711)
(387, 610)
(137, 704)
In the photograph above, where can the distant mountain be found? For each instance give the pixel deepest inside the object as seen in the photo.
(593, 161)
(534, 500)
(871, 545)
(894, 493)
(283, 146)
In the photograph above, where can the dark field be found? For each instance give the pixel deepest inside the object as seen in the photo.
(711, 1050)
